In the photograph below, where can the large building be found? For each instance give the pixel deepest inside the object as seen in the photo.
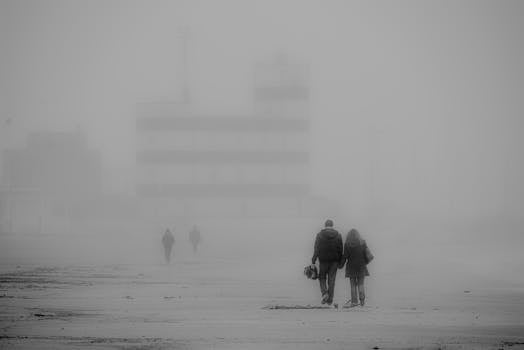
(44, 180)
(225, 166)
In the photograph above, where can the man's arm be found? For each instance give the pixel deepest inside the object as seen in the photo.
(340, 249)
(315, 250)
(346, 250)
(340, 245)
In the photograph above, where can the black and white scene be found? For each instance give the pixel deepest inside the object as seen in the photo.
(273, 174)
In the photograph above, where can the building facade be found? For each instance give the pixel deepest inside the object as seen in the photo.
(222, 165)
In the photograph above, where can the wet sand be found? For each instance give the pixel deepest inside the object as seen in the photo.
(212, 304)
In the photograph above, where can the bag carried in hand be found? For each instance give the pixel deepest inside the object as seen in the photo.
(367, 255)
(311, 272)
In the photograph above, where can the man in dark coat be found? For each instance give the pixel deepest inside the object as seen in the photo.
(167, 241)
(328, 250)
(194, 238)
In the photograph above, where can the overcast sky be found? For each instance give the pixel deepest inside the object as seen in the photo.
(416, 105)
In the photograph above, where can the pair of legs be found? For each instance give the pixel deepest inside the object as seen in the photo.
(167, 252)
(195, 247)
(327, 270)
(357, 290)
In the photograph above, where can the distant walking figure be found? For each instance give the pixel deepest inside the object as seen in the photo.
(356, 255)
(167, 241)
(194, 238)
(328, 250)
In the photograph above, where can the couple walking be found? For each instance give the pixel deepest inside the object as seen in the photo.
(333, 254)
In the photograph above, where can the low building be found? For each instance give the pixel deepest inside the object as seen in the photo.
(250, 166)
(41, 182)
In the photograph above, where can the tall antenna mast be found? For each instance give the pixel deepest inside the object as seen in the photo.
(184, 36)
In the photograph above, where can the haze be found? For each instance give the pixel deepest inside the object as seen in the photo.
(416, 121)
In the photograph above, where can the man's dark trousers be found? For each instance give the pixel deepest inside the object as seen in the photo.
(327, 269)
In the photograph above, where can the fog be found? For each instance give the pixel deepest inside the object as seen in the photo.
(414, 133)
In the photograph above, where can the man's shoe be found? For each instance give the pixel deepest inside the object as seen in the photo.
(325, 298)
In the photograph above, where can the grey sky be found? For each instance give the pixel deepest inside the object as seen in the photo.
(417, 106)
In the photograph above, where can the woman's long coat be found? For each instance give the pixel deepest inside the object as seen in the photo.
(355, 258)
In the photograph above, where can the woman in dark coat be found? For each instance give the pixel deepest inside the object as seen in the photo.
(356, 257)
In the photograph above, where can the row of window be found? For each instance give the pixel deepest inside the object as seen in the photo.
(227, 141)
(224, 207)
(223, 174)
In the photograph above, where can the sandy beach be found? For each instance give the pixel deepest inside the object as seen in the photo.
(247, 139)
(210, 303)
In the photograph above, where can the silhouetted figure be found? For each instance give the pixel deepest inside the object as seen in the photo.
(195, 238)
(167, 241)
(356, 255)
(328, 250)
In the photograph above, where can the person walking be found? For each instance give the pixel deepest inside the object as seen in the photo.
(328, 250)
(167, 241)
(356, 257)
(195, 238)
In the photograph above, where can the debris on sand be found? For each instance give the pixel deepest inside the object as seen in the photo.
(44, 314)
(295, 307)
(467, 291)
(512, 343)
(59, 314)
